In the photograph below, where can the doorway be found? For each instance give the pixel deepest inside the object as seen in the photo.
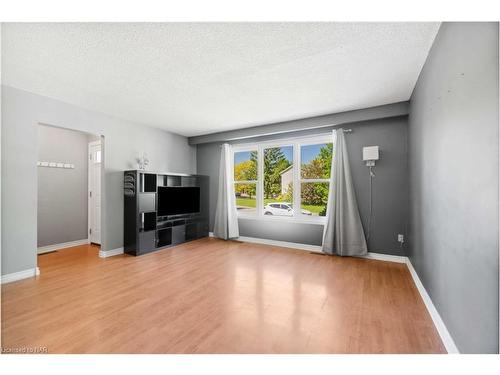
(94, 198)
(70, 172)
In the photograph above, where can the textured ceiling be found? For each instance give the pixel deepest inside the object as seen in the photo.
(198, 78)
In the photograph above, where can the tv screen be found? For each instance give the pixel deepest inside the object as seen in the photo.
(178, 200)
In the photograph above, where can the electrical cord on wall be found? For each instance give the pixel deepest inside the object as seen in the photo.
(372, 175)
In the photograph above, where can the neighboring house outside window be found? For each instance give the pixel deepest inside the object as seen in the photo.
(286, 179)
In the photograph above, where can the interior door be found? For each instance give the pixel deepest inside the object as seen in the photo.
(95, 162)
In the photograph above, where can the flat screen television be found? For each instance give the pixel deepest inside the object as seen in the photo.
(178, 200)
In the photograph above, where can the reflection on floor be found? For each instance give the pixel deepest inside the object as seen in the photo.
(213, 296)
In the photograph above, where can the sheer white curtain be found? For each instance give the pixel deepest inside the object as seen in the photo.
(226, 220)
(343, 233)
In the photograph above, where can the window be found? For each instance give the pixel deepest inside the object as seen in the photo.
(316, 162)
(97, 158)
(273, 179)
(245, 181)
(278, 181)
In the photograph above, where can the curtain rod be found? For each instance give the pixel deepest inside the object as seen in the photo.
(319, 134)
(284, 133)
(346, 131)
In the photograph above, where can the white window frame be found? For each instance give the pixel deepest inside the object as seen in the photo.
(247, 148)
(296, 143)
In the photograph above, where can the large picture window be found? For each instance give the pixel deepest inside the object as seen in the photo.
(287, 180)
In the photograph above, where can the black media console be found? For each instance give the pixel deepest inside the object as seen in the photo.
(144, 230)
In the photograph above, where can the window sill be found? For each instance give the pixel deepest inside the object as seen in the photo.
(284, 219)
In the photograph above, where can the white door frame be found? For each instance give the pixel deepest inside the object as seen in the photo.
(89, 203)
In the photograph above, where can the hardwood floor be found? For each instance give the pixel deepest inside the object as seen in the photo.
(212, 296)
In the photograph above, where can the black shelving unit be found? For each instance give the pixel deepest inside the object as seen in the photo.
(144, 230)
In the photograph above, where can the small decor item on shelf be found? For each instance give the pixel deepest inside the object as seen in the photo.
(143, 162)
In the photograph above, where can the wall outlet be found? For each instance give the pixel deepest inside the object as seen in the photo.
(401, 238)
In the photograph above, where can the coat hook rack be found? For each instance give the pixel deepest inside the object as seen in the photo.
(53, 164)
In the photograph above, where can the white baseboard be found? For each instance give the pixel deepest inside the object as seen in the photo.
(315, 248)
(60, 246)
(385, 257)
(16, 276)
(448, 342)
(292, 245)
(264, 241)
(110, 253)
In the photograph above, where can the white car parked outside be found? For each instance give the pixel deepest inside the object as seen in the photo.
(282, 209)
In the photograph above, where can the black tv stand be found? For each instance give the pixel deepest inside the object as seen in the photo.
(144, 230)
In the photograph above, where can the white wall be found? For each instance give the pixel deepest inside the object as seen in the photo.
(124, 141)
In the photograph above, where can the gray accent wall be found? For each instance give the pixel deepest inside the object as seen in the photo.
(62, 193)
(453, 155)
(124, 141)
(390, 187)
